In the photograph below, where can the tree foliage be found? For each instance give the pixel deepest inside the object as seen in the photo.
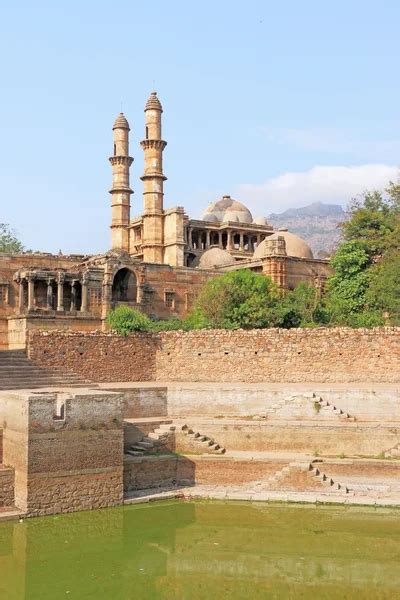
(124, 320)
(9, 243)
(238, 299)
(365, 287)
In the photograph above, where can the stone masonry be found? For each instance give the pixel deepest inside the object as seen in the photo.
(336, 355)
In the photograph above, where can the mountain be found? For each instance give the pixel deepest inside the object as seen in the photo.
(317, 223)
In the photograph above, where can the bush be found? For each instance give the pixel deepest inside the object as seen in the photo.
(125, 319)
(238, 299)
(173, 324)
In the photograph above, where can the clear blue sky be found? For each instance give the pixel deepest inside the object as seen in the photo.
(276, 103)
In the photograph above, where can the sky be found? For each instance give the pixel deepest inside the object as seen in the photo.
(277, 104)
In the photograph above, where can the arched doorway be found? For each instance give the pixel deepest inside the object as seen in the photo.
(124, 287)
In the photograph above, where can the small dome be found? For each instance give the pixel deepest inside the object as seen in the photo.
(228, 209)
(295, 246)
(211, 218)
(153, 103)
(213, 257)
(260, 221)
(121, 122)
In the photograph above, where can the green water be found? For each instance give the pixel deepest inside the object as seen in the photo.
(192, 550)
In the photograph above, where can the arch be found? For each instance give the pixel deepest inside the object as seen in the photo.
(124, 287)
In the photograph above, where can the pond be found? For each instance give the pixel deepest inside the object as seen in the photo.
(194, 550)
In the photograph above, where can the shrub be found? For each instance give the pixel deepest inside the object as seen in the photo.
(125, 319)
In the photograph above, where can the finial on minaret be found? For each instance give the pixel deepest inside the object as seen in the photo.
(120, 191)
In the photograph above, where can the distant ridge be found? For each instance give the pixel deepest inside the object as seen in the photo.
(317, 223)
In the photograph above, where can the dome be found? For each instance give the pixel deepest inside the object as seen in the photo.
(260, 221)
(211, 218)
(153, 102)
(121, 122)
(295, 246)
(228, 209)
(213, 257)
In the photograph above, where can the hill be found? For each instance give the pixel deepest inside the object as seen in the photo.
(317, 223)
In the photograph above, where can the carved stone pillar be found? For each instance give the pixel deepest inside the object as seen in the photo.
(31, 292)
(49, 294)
(21, 295)
(241, 242)
(229, 240)
(207, 238)
(73, 295)
(190, 239)
(107, 293)
(60, 291)
(84, 303)
(219, 239)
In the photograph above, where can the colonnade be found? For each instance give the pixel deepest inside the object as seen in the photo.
(29, 284)
(227, 239)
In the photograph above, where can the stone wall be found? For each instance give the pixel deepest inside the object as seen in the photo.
(280, 355)
(66, 449)
(6, 486)
(95, 355)
(336, 355)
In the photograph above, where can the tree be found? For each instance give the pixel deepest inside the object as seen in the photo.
(124, 320)
(238, 299)
(383, 293)
(8, 241)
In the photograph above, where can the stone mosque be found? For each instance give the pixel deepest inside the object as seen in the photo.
(157, 262)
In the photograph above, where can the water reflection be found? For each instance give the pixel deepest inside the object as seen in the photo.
(203, 550)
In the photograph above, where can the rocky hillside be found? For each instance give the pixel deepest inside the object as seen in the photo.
(317, 223)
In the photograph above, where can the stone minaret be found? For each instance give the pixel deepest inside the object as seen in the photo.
(153, 179)
(120, 191)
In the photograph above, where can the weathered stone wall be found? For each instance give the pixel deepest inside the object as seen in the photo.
(159, 471)
(96, 356)
(64, 459)
(268, 355)
(280, 355)
(6, 486)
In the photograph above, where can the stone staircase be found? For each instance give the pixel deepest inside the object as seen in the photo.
(326, 406)
(209, 445)
(313, 471)
(18, 372)
(321, 406)
(393, 452)
(158, 440)
(153, 442)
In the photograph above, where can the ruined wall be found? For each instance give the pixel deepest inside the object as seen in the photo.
(96, 356)
(336, 355)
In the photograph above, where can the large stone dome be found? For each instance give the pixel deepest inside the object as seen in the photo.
(295, 246)
(213, 257)
(227, 209)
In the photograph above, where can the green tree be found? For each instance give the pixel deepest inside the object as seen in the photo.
(304, 307)
(124, 320)
(238, 299)
(383, 293)
(8, 241)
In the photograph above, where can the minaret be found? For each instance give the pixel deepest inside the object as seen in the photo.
(120, 191)
(153, 179)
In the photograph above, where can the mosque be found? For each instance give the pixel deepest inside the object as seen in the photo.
(157, 262)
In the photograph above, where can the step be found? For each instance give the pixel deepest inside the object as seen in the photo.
(138, 448)
(145, 445)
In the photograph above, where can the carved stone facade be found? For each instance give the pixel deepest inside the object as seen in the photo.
(157, 263)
